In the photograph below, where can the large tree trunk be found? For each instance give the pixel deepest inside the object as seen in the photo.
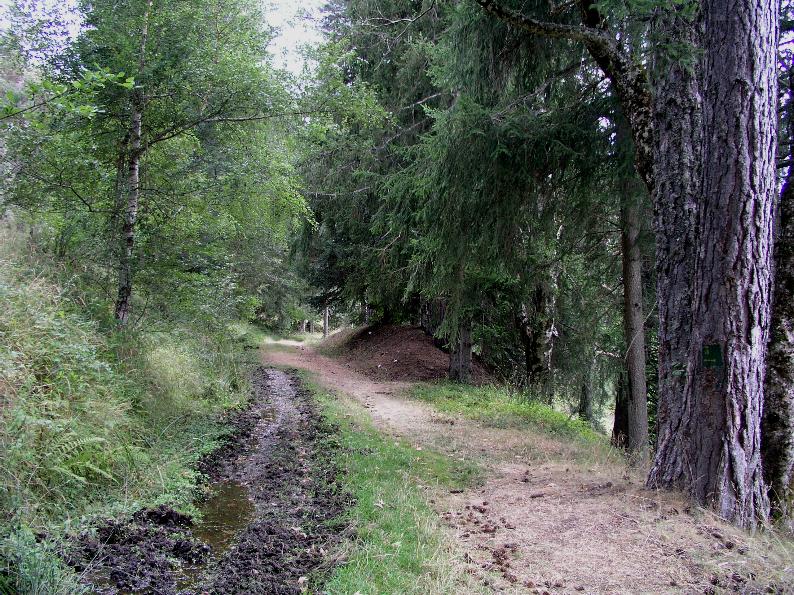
(326, 321)
(133, 189)
(634, 329)
(719, 436)
(678, 168)
(777, 439)
(460, 355)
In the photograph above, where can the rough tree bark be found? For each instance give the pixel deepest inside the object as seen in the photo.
(777, 437)
(719, 438)
(326, 321)
(678, 173)
(132, 187)
(709, 417)
(636, 390)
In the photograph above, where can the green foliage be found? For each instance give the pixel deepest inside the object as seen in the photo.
(496, 176)
(31, 566)
(76, 97)
(219, 193)
(96, 423)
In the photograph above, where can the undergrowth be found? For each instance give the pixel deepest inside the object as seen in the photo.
(399, 544)
(96, 422)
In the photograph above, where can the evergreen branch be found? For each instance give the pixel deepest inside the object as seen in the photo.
(556, 30)
(629, 79)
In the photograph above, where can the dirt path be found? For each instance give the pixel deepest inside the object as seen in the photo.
(265, 522)
(547, 519)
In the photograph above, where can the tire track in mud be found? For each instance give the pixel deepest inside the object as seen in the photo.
(268, 523)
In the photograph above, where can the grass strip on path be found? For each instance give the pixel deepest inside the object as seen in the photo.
(498, 407)
(399, 544)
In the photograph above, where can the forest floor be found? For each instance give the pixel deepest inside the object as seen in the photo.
(551, 515)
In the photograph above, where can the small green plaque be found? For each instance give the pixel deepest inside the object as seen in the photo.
(712, 356)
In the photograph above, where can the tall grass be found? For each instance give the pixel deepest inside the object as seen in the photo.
(92, 422)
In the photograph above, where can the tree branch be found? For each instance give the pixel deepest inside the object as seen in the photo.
(628, 77)
(544, 28)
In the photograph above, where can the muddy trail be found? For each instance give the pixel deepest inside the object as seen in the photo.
(267, 525)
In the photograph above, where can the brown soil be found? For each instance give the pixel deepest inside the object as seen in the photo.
(273, 475)
(549, 517)
(392, 352)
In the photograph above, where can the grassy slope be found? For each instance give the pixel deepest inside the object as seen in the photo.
(497, 406)
(399, 544)
(95, 423)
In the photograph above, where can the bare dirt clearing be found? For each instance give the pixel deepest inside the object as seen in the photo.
(548, 519)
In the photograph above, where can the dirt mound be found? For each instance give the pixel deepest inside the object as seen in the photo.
(144, 554)
(393, 352)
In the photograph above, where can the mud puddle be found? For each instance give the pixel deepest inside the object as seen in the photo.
(225, 512)
(267, 521)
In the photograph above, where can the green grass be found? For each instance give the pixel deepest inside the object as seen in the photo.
(498, 407)
(96, 422)
(399, 544)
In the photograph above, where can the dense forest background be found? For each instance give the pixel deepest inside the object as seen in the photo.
(539, 186)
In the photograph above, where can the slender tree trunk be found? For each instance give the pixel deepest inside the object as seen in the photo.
(119, 198)
(620, 427)
(460, 355)
(719, 438)
(538, 330)
(133, 189)
(777, 438)
(634, 329)
(636, 393)
(326, 321)
(585, 409)
(431, 317)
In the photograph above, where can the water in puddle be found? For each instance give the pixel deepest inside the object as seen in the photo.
(225, 513)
